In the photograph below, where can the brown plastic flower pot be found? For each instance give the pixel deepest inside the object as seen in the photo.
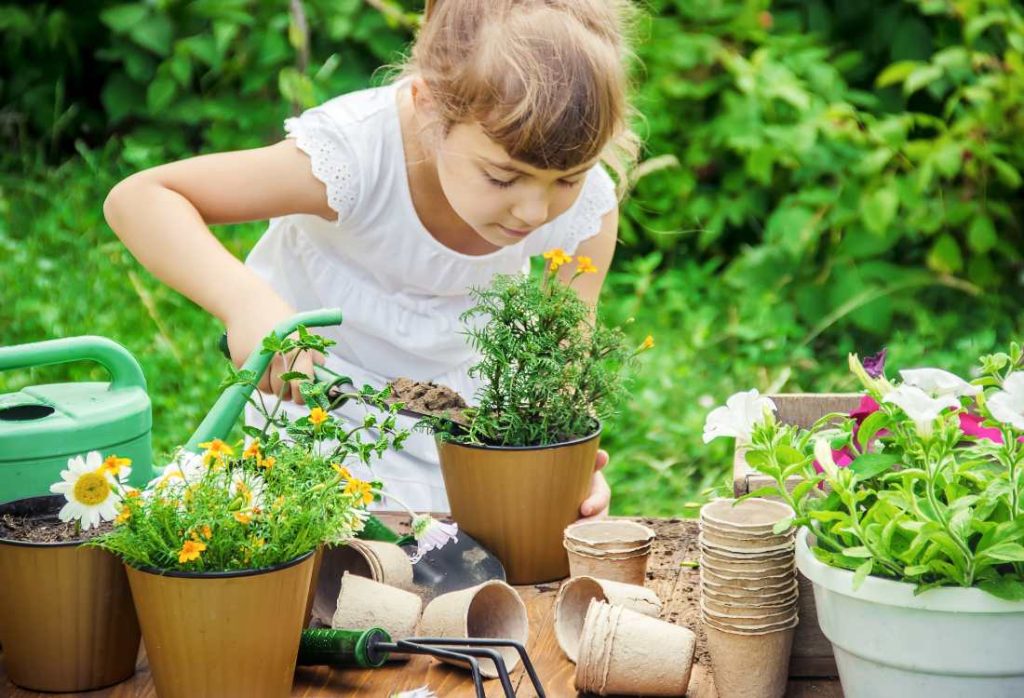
(67, 622)
(223, 633)
(518, 500)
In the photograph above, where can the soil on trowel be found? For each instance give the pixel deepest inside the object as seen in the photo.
(46, 528)
(429, 399)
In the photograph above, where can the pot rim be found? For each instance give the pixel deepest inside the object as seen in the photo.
(889, 592)
(561, 444)
(229, 574)
(39, 544)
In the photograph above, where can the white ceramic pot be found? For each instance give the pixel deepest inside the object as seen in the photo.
(945, 643)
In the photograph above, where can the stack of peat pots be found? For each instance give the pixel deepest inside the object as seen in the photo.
(748, 595)
(612, 549)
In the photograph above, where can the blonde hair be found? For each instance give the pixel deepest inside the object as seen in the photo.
(545, 79)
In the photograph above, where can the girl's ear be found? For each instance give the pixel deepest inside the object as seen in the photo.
(423, 100)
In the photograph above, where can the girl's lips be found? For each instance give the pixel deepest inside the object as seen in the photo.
(514, 232)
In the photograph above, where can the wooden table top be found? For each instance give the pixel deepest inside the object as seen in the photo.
(675, 584)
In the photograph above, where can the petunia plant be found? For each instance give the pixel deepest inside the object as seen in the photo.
(922, 483)
(251, 505)
(548, 369)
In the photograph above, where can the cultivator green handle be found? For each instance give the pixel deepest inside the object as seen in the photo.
(225, 412)
(343, 648)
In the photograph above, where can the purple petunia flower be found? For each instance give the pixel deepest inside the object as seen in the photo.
(875, 365)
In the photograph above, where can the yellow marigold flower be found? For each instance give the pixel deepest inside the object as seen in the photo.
(556, 258)
(252, 450)
(132, 492)
(258, 543)
(267, 462)
(243, 517)
(317, 416)
(342, 470)
(585, 265)
(113, 465)
(647, 343)
(123, 516)
(191, 550)
(361, 489)
(207, 533)
(215, 451)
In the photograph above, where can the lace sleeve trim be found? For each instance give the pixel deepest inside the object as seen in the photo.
(332, 160)
(595, 201)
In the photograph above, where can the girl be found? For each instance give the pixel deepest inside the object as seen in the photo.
(393, 202)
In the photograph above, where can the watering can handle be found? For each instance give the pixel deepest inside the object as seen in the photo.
(124, 370)
(229, 405)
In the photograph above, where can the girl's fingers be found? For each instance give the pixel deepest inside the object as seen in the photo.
(601, 460)
(596, 505)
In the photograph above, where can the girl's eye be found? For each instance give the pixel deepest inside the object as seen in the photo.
(500, 183)
(569, 185)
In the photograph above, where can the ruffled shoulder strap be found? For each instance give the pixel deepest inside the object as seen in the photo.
(583, 219)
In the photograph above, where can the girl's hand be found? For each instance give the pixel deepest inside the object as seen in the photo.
(246, 329)
(596, 505)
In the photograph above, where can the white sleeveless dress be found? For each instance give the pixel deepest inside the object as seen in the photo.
(400, 290)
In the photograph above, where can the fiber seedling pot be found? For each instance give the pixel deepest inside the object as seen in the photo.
(517, 501)
(755, 516)
(223, 633)
(380, 561)
(574, 599)
(750, 664)
(364, 603)
(67, 622)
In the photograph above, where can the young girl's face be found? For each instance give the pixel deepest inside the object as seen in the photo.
(502, 199)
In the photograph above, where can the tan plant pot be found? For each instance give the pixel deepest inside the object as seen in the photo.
(380, 561)
(67, 622)
(364, 603)
(223, 633)
(750, 664)
(517, 501)
(574, 599)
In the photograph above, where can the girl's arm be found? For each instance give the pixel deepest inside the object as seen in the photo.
(163, 216)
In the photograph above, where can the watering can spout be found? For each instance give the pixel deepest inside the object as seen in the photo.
(225, 412)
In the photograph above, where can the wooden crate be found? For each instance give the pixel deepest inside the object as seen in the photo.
(812, 652)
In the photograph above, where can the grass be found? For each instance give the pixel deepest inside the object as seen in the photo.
(64, 273)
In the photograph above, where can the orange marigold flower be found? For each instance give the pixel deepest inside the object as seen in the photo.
(207, 533)
(647, 343)
(243, 517)
(191, 550)
(585, 265)
(556, 258)
(113, 465)
(317, 416)
(342, 470)
(267, 462)
(123, 516)
(361, 489)
(252, 450)
(215, 451)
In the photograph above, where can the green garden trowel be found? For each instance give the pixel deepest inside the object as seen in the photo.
(460, 564)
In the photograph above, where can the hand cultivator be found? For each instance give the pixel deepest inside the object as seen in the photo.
(368, 649)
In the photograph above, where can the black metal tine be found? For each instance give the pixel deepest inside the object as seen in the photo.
(474, 665)
(499, 664)
(493, 642)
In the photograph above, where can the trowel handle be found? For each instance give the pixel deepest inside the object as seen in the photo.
(124, 370)
(229, 405)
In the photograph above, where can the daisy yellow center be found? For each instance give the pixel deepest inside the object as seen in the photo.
(92, 489)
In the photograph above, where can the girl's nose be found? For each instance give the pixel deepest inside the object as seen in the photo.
(533, 212)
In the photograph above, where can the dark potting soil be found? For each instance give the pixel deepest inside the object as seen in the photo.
(46, 528)
(429, 399)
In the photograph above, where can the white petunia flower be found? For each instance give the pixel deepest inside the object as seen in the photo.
(920, 406)
(938, 383)
(431, 534)
(1007, 405)
(823, 454)
(89, 491)
(741, 413)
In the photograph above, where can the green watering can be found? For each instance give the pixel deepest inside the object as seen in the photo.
(44, 425)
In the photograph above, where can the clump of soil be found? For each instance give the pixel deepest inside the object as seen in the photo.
(429, 399)
(46, 528)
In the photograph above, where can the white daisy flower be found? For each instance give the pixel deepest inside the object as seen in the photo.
(1007, 405)
(431, 534)
(741, 413)
(90, 493)
(249, 486)
(186, 468)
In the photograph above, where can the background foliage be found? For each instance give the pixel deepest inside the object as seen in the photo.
(820, 177)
